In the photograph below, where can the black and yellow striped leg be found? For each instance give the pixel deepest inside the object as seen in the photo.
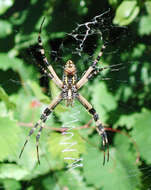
(43, 118)
(37, 141)
(99, 56)
(41, 123)
(99, 125)
(90, 70)
(30, 133)
(101, 132)
(45, 64)
(98, 70)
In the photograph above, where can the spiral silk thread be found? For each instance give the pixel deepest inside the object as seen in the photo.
(68, 135)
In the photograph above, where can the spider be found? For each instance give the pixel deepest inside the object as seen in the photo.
(69, 91)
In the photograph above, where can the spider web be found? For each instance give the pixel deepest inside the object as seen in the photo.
(100, 27)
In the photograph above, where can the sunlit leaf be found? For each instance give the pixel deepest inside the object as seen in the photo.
(41, 169)
(12, 171)
(126, 120)
(121, 169)
(4, 5)
(75, 116)
(70, 145)
(144, 25)
(11, 184)
(72, 180)
(8, 62)
(9, 138)
(148, 6)
(5, 98)
(113, 2)
(141, 133)
(138, 51)
(6, 28)
(126, 12)
(102, 100)
(54, 93)
(38, 92)
(54, 89)
(16, 64)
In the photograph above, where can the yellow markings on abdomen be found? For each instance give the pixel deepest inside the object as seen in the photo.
(73, 80)
(66, 80)
(69, 94)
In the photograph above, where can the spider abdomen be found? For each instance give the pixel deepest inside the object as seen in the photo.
(69, 94)
(69, 88)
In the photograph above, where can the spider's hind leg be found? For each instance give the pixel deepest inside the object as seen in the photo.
(42, 120)
(27, 139)
(41, 123)
(37, 141)
(100, 128)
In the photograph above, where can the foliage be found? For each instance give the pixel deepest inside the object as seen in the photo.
(123, 100)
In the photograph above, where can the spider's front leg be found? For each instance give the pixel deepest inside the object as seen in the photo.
(41, 123)
(99, 125)
(90, 70)
(98, 70)
(45, 64)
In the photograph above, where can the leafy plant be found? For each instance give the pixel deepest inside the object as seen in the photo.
(123, 99)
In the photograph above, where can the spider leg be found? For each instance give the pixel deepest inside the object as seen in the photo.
(41, 123)
(85, 77)
(98, 70)
(100, 128)
(37, 141)
(27, 139)
(46, 64)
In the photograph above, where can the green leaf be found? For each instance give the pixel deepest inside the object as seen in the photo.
(38, 92)
(75, 116)
(148, 6)
(126, 120)
(50, 183)
(144, 25)
(9, 139)
(54, 92)
(68, 145)
(9, 62)
(6, 28)
(113, 2)
(72, 180)
(4, 5)
(126, 12)
(22, 40)
(54, 89)
(5, 98)
(121, 168)
(138, 50)
(102, 100)
(31, 188)
(12, 171)
(16, 64)
(41, 169)
(11, 184)
(141, 133)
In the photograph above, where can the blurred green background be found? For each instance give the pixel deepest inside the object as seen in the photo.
(121, 96)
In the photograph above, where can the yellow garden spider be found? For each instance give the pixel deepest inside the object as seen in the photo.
(69, 91)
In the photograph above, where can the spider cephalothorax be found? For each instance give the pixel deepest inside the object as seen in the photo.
(69, 87)
(70, 68)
